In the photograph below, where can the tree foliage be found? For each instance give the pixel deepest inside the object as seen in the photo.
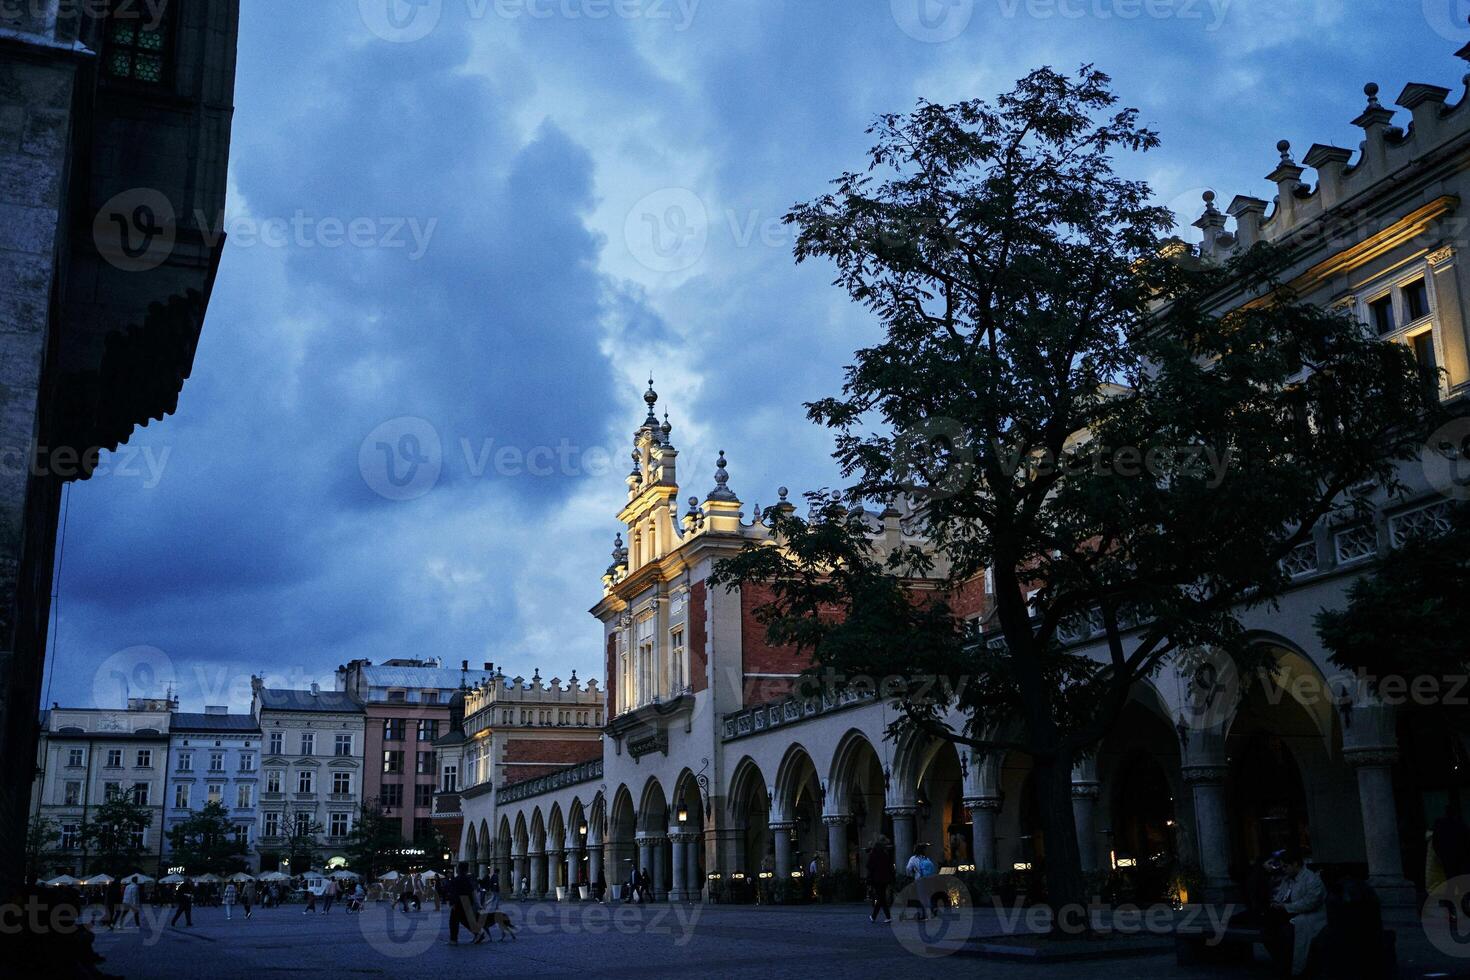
(111, 836)
(1117, 432)
(375, 840)
(206, 842)
(1409, 618)
(42, 837)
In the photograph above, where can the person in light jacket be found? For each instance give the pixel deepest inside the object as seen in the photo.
(229, 899)
(1303, 899)
(132, 901)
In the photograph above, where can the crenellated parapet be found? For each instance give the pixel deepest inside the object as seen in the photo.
(518, 691)
(1330, 182)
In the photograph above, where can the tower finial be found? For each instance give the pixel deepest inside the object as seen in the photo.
(650, 397)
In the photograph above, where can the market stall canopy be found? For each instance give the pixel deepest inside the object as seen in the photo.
(63, 880)
(241, 876)
(275, 876)
(100, 880)
(344, 873)
(139, 878)
(174, 879)
(390, 876)
(212, 879)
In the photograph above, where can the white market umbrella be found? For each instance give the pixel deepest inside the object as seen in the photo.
(139, 878)
(210, 878)
(100, 880)
(173, 879)
(64, 880)
(274, 876)
(390, 876)
(241, 876)
(343, 873)
(429, 874)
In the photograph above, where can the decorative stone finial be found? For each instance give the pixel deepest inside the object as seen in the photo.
(722, 479)
(667, 427)
(650, 397)
(1209, 198)
(1371, 91)
(1284, 148)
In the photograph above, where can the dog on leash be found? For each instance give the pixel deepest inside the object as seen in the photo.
(501, 919)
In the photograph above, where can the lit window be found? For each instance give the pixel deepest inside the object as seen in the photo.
(138, 45)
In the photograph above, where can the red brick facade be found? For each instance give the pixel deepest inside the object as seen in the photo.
(527, 758)
(760, 656)
(698, 639)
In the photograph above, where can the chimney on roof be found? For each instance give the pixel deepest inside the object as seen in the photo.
(315, 689)
(216, 709)
(464, 665)
(489, 667)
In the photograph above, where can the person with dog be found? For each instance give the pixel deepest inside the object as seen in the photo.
(462, 913)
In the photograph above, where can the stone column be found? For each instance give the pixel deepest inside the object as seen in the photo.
(836, 841)
(1381, 826)
(903, 833)
(781, 837)
(983, 812)
(645, 858)
(1084, 811)
(1212, 829)
(680, 845)
(538, 874)
(574, 871)
(521, 869)
(694, 882)
(594, 865)
(555, 864)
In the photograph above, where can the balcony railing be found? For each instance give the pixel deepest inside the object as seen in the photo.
(584, 773)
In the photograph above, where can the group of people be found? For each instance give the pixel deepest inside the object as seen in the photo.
(122, 898)
(881, 875)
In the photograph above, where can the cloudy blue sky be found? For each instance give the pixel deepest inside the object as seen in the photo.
(465, 233)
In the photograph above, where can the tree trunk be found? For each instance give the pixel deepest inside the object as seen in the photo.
(1065, 892)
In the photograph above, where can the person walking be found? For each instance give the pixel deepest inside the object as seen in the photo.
(329, 892)
(880, 880)
(919, 867)
(112, 894)
(247, 896)
(132, 901)
(462, 912)
(184, 903)
(228, 899)
(493, 892)
(311, 894)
